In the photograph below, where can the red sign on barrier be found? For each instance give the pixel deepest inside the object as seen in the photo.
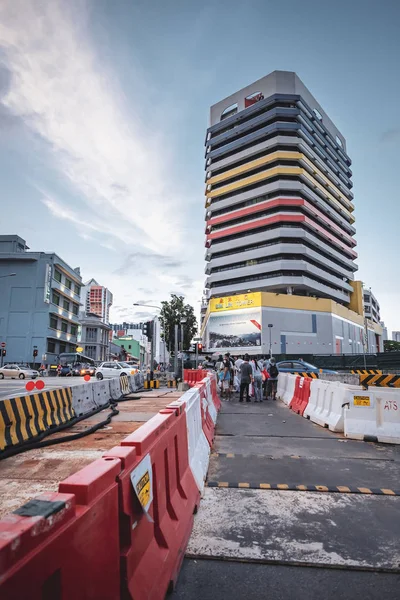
(87, 378)
(31, 385)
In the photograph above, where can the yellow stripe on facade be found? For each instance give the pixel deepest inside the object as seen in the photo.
(258, 177)
(264, 160)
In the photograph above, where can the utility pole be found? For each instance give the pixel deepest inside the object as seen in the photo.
(183, 321)
(176, 350)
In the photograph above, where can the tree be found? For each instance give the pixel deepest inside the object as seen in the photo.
(172, 312)
(391, 346)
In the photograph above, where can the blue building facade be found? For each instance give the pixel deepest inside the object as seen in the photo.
(39, 303)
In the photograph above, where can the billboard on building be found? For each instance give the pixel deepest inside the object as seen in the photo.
(235, 330)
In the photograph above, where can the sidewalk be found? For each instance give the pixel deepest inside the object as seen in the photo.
(260, 527)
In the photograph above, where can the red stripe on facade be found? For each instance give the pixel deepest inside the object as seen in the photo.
(280, 218)
(280, 202)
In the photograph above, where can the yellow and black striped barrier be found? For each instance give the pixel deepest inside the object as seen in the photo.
(171, 383)
(312, 375)
(391, 381)
(366, 371)
(154, 384)
(338, 489)
(24, 418)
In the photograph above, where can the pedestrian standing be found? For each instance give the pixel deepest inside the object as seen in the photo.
(257, 381)
(272, 381)
(246, 377)
(226, 377)
(265, 365)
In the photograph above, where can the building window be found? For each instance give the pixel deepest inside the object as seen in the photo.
(53, 322)
(57, 275)
(51, 346)
(91, 334)
(317, 114)
(64, 326)
(63, 347)
(68, 283)
(90, 351)
(228, 112)
(55, 298)
(66, 304)
(339, 142)
(77, 289)
(75, 309)
(73, 329)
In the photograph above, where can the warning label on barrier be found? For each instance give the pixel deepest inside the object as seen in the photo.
(362, 401)
(142, 481)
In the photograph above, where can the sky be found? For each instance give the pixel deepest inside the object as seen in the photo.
(104, 106)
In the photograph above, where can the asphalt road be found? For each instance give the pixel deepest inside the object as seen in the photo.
(9, 388)
(294, 511)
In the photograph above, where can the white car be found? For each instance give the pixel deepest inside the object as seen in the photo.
(113, 369)
(17, 372)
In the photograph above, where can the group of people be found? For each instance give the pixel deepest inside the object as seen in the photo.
(251, 377)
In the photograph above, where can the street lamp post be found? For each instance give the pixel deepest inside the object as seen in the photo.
(270, 326)
(152, 332)
(183, 321)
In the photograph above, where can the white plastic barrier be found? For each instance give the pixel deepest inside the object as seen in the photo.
(290, 385)
(199, 448)
(282, 383)
(208, 399)
(373, 415)
(327, 401)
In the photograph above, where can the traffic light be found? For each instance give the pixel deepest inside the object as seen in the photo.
(199, 347)
(35, 353)
(3, 352)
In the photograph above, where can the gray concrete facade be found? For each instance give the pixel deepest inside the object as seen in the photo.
(39, 306)
(94, 337)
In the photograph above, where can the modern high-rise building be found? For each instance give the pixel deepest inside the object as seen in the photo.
(279, 217)
(97, 300)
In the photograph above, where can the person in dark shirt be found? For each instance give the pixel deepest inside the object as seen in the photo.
(246, 377)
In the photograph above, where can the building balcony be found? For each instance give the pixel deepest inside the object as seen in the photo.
(69, 293)
(65, 314)
(57, 334)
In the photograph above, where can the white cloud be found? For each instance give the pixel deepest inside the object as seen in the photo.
(124, 194)
(116, 165)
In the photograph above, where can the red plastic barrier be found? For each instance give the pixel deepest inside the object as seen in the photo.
(214, 391)
(192, 376)
(152, 550)
(301, 395)
(65, 545)
(206, 419)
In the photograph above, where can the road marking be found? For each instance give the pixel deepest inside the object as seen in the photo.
(341, 489)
